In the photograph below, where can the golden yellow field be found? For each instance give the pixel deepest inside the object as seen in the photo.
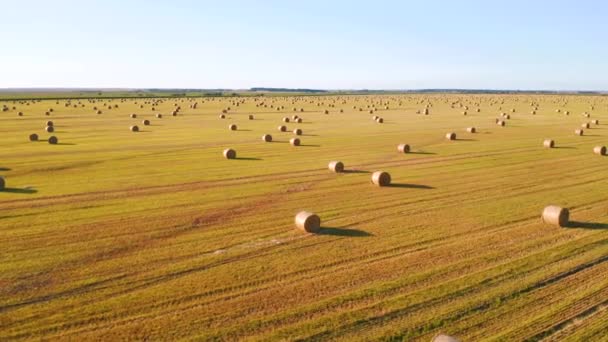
(115, 235)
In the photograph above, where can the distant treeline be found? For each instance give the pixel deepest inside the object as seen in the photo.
(289, 90)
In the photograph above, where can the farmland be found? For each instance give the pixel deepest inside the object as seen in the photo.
(113, 235)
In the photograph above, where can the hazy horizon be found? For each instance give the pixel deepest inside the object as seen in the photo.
(385, 45)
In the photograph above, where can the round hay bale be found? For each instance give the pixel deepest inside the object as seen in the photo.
(501, 123)
(380, 120)
(381, 178)
(549, 143)
(47, 113)
(250, 116)
(308, 222)
(464, 113)
(282, 129)
(232, 127)
(297, 131)
(267, 138)
(49, 123)
(450, 136)
(49, 129)
(326, 111)
(222, 116)
(375, 117)
(294, 141)
(595, 122)
(579, 131)
(285, 119)
(134, 128)
(556, 215)
(299, 120)
(336, 166)
(301, 110)
(146, 122)
(99, 112)
(33, 137)
(471, 130)
(133, 116)
(586, 125)
(53, 140)
(444, 338)
(159, 116)
(403, 148)
(601, 150)
(20, 113)
(2, 183)
(229, 153)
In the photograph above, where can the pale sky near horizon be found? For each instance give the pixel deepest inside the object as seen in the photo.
(549, 45)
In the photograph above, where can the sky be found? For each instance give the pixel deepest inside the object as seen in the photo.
(473, 44)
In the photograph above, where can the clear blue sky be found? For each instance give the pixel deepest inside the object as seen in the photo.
(561, 45)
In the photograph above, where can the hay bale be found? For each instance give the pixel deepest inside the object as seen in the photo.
(159, 116)
(326, 111)
(450, 136)
(294, 141)
(282, 128)
(464, 113)
(380, 120)
(49, 123)
(444, 338)
(601, 150)
(134, 128)
(578, 131)
(471, 130)
(49, 129)
(286, 119)
(133, 116)
(308, 222)
(336, 166)
(222, 116)
(297, 131)
(250, 116)
(2, 183)
(586, 125)
(53, 140)
(20, 113)
(381, 178)
(501, 123)
(549, 143)
(33, 137)
(99, 112)
(403, 148)
(232, 127)
(229, 153)
(556, 215)
(267, 138)
(595, 122)
(299, 120)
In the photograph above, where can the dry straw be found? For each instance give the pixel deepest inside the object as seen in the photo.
(381, 178)
(555, 215)
(444, 338)
(336, 166)
(308, 222)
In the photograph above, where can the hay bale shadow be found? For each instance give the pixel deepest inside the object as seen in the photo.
(421, 152)
(67, 144)
(587, 225)
(565, 147)
(247, 158)
(334, 231)
(309, 145)
(355, 171)
(409, 186)
(464, 139)
(19, 190)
